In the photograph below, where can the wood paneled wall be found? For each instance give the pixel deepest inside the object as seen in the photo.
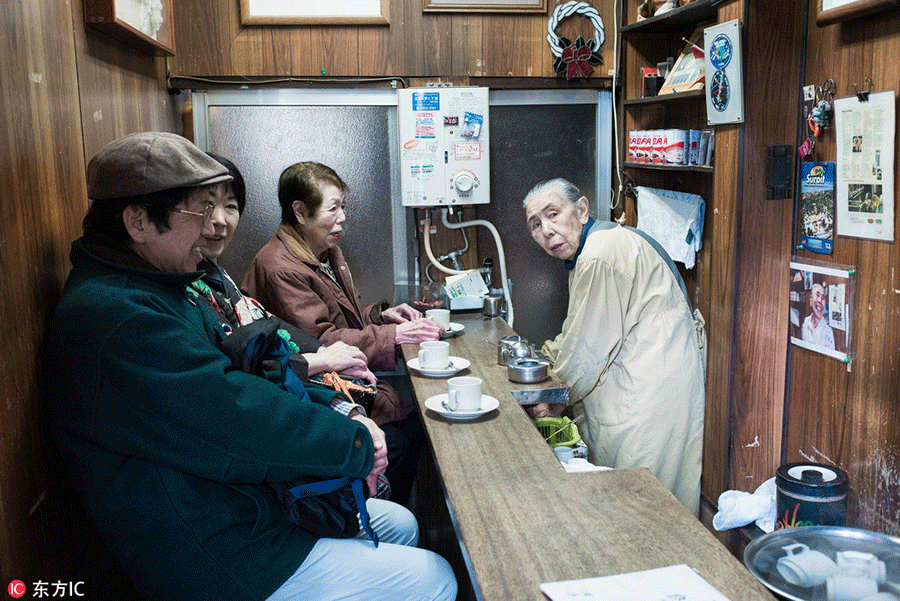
(851, 418)
(67, 90)
(773, 34)
(438, 46)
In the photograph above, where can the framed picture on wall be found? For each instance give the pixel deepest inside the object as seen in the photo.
(315, 12)
(142, 24)
(821, 302)
(832, 11)
(493, 6)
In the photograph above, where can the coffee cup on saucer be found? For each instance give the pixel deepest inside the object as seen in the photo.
(440, 317)
(434, 354)
(804, 567)
(463, 394)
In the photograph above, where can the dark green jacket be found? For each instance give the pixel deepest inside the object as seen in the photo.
(169, 448)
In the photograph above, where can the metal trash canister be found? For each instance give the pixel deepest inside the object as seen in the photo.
(810, 494)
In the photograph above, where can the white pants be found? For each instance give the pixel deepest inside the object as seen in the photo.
(354, 569)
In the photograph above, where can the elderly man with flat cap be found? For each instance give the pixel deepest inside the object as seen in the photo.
(171, 450)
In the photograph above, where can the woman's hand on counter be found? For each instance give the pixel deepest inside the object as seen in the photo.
(400, 314)
(416, 331)
(546, 410)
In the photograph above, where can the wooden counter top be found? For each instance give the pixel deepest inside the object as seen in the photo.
(522, 520)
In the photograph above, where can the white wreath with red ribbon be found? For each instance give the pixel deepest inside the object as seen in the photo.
(575, 60)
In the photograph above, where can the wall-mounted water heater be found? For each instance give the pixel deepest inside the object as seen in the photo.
(444, 153)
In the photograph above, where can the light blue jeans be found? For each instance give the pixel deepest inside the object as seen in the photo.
(354, 569)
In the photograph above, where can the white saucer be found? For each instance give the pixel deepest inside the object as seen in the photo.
(436, 404)
(457, 364)
(454, 329)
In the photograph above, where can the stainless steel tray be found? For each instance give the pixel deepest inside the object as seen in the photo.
(761, 554)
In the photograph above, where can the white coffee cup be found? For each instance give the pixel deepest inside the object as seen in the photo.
(857, 563)
(464, 394)
(806, 568)
(439, 316)
(564, 454)
(840, 587)
(434, 354)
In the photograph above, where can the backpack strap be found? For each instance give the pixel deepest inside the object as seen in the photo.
(321, 487)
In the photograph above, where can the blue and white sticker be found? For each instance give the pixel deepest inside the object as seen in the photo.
(720, 91)
(721, 51)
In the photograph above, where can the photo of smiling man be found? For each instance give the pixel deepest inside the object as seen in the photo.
(821, 301)
(815, 326)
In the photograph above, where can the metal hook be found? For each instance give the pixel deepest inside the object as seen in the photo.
(628, 183)
(828, 87)
(864, 96)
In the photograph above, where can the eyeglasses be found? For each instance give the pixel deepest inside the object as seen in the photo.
(206, 214)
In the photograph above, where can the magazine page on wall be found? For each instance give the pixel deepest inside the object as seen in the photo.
(864, 131)
(821, 307)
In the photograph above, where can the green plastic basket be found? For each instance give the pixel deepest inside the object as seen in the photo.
(567, 437)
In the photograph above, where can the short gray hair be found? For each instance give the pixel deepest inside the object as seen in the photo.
(562, 188)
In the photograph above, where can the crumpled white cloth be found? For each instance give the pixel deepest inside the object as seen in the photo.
(674, 219)
(738, 508)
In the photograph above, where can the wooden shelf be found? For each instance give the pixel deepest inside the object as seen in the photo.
(658, 167)
(665, 98)
(689, 14)
(118, 22)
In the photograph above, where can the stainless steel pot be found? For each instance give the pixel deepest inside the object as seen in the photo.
(528, 370)
(492, 306)
(512, 347)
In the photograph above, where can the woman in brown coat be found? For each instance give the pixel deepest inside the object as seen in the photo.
(301, 276)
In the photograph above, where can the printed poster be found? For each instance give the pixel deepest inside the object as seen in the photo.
(817, 207)
(865, 133)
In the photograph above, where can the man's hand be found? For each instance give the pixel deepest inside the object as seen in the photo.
(381, 460)
(545, 410)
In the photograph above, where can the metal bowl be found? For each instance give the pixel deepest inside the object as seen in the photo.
(528, 370)
(762, 554)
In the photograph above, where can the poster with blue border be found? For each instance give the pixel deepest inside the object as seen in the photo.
(817, 207)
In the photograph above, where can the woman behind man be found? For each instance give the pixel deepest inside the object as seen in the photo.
(301, 276)
(230, 199)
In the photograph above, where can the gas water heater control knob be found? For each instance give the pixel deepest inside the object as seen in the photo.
(463, 182)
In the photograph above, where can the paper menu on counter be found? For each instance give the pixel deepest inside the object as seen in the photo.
(661, 584)
(468, 284)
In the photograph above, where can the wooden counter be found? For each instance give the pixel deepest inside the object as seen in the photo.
(522, 520)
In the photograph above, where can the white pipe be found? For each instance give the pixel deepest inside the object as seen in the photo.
(501, 256)
(430, 254)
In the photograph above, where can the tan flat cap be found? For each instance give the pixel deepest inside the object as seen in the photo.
(147, 162)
